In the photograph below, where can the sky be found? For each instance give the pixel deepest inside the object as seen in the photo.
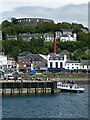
(8, 7)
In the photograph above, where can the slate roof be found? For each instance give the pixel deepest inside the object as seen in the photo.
(28, 56)
(42, 64)
(65, 52)
(85, 62)
(72, 62)
(25, 53)
(53, 55)
(87, 52)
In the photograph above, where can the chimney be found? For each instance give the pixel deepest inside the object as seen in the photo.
(54, 49)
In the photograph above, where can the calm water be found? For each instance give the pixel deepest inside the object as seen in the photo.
(62, 105)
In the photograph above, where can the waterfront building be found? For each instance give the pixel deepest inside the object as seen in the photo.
(72, 65)
(25, 60)
(85, 65)
(12, 64)
(3, 62)
(56, 62)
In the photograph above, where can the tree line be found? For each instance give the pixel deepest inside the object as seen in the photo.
(13, 48)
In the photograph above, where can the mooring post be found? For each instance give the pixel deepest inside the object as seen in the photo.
(30, 87)
(21, 86)
(13, 88)
(35, 90)
(19, 90)
(11, 91)
(2, 92)
(52, 87)
(52, 91)
(27, 91)
(45, 86)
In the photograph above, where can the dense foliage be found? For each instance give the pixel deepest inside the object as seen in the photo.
(13, 48)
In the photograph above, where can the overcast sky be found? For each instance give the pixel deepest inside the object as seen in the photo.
(9, 8)
(6, 5)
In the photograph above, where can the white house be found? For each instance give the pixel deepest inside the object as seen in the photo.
(85, 65)
(11, 37)
(72, 65)
(67, 35)
(3, 62)
(56, 62)
(48, 37)
(65, 38)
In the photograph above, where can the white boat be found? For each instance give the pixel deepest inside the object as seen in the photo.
(69, 87)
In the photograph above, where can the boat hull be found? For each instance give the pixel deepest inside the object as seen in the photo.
(70, 90)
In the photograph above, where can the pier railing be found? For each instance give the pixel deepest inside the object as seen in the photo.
(27, 86)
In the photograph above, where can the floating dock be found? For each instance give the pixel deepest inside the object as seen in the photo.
(27, 87)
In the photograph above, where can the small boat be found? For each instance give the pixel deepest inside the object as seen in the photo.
(70, 86)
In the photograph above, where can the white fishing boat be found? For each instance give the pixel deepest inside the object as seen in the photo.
(69, 87)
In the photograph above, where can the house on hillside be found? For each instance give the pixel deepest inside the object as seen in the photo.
(11, 37)
(28, 36)
(67, 35)
(49, 37)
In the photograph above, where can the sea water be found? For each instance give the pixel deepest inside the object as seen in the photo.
(61, 105)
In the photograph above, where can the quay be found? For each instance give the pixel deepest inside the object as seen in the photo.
(27, 87)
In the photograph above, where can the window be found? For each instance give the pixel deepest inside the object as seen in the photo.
(50, 64)
(50, 58)
(61, 64)
(72, 67)
(77, 67)
(56, 64)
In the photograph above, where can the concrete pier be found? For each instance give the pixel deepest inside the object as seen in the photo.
(27, 87)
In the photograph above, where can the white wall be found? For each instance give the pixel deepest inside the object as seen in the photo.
(54, 62)
(84, 67)
(72, 66)
(3, 61)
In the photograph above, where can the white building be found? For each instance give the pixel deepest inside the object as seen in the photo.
(3, 62)
(85, 65)
(48, 37)
(56, 62)
(61, 62)
(65, 38)
(72, 65)
(67, 35)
